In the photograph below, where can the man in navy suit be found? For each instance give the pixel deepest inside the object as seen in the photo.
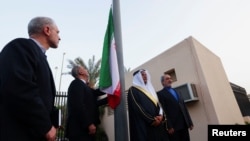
(27, 89)
(178, 118)
(83, 112)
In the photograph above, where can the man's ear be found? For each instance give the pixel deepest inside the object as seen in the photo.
(46, 30)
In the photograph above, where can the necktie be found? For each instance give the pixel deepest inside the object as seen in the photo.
(173, 93)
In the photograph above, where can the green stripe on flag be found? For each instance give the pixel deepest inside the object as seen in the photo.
(105, 72)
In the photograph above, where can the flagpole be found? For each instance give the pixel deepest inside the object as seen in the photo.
(120, 112)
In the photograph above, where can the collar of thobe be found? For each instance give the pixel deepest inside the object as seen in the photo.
(147, 94)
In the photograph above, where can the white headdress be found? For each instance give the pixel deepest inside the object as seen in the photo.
(138, 81)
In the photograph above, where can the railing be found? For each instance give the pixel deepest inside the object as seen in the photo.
(61, 104)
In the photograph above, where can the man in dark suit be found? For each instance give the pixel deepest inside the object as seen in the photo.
(178, 118)
(83, 112)
(27, 89)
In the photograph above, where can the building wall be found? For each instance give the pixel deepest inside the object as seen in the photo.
(108, 123)
(194, 63)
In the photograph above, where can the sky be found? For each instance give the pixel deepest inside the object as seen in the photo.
(148, 28)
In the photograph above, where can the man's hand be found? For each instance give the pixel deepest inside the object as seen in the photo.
(51, 135)
(160, 118)
(157, 121)
(191, 127)
(92, 129)
(171, 131)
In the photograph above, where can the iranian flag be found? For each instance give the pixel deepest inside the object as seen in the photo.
(109, 74)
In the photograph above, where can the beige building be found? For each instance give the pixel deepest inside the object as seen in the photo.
(189, 62)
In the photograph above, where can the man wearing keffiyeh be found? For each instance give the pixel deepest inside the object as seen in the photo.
(145, 113)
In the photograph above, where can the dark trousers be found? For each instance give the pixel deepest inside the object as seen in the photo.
(180, 135)
(81, 138)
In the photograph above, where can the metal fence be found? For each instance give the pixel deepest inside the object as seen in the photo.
(61, 104)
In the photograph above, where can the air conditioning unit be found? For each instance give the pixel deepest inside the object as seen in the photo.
(187, 91)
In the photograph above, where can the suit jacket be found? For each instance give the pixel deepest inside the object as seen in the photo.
(176, 111)
(82, 110)
(27, 92)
